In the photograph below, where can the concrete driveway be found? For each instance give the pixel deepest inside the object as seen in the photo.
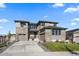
(30, 48)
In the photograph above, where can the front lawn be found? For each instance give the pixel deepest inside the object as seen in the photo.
(57, 46)
(2, 45)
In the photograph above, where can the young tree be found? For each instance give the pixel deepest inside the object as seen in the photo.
(9, 37)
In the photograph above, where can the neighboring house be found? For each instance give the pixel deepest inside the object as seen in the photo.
(2, 39)
(73, 35)
(12, 38)
(43, 30)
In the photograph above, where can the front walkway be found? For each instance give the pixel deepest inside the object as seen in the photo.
(30, 48)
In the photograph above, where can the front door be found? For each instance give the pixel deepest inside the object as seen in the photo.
(32, 37)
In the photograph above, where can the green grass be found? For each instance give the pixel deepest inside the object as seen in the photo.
(57, 46)
(2, 45)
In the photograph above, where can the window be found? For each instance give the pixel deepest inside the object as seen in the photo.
(59, 32)
(23, 24)
(42, 30)
(42, 24)
(33, 26)
(52, 32)
(56, 32)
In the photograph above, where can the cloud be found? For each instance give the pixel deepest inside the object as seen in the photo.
(4, 20)
(73, 23)
(2, 5)
(58, 5)
(72, 9)
(76, 19)
(45, 16)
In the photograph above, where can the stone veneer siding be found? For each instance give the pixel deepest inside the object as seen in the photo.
(76, 36)
(21, 32)
(50, 37)
(61, 37)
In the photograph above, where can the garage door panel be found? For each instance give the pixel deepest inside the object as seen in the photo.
(22, 37)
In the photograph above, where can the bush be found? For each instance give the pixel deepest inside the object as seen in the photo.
(78, 43)
(56, 41)
(62, 42)
(2, 45)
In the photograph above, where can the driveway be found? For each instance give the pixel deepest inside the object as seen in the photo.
(30, 48)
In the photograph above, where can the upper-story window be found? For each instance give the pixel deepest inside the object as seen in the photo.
(42, 30)
(56, 32)
(33, 26)
(50, 24)
(23, 24)
(42, 24)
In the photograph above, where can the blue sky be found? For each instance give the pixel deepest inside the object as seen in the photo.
(67, 14)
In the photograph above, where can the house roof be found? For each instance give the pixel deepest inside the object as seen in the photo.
(35, 24)
(47, 22)
(38, 21)
(21, 21)
(73, 30)
(51, 27)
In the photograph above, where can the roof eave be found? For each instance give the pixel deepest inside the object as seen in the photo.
(21, 21)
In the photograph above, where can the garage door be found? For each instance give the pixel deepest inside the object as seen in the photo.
(22, 37)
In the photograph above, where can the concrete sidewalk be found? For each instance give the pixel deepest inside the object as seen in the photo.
(30, 48)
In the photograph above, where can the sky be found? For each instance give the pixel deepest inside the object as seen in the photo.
(66, 14)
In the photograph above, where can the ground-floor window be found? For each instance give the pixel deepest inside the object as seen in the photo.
(56, 32)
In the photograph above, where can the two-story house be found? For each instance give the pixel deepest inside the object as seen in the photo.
(43, 30)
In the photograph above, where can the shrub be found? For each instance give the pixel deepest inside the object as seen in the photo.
(62, 42)
(56, 41)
